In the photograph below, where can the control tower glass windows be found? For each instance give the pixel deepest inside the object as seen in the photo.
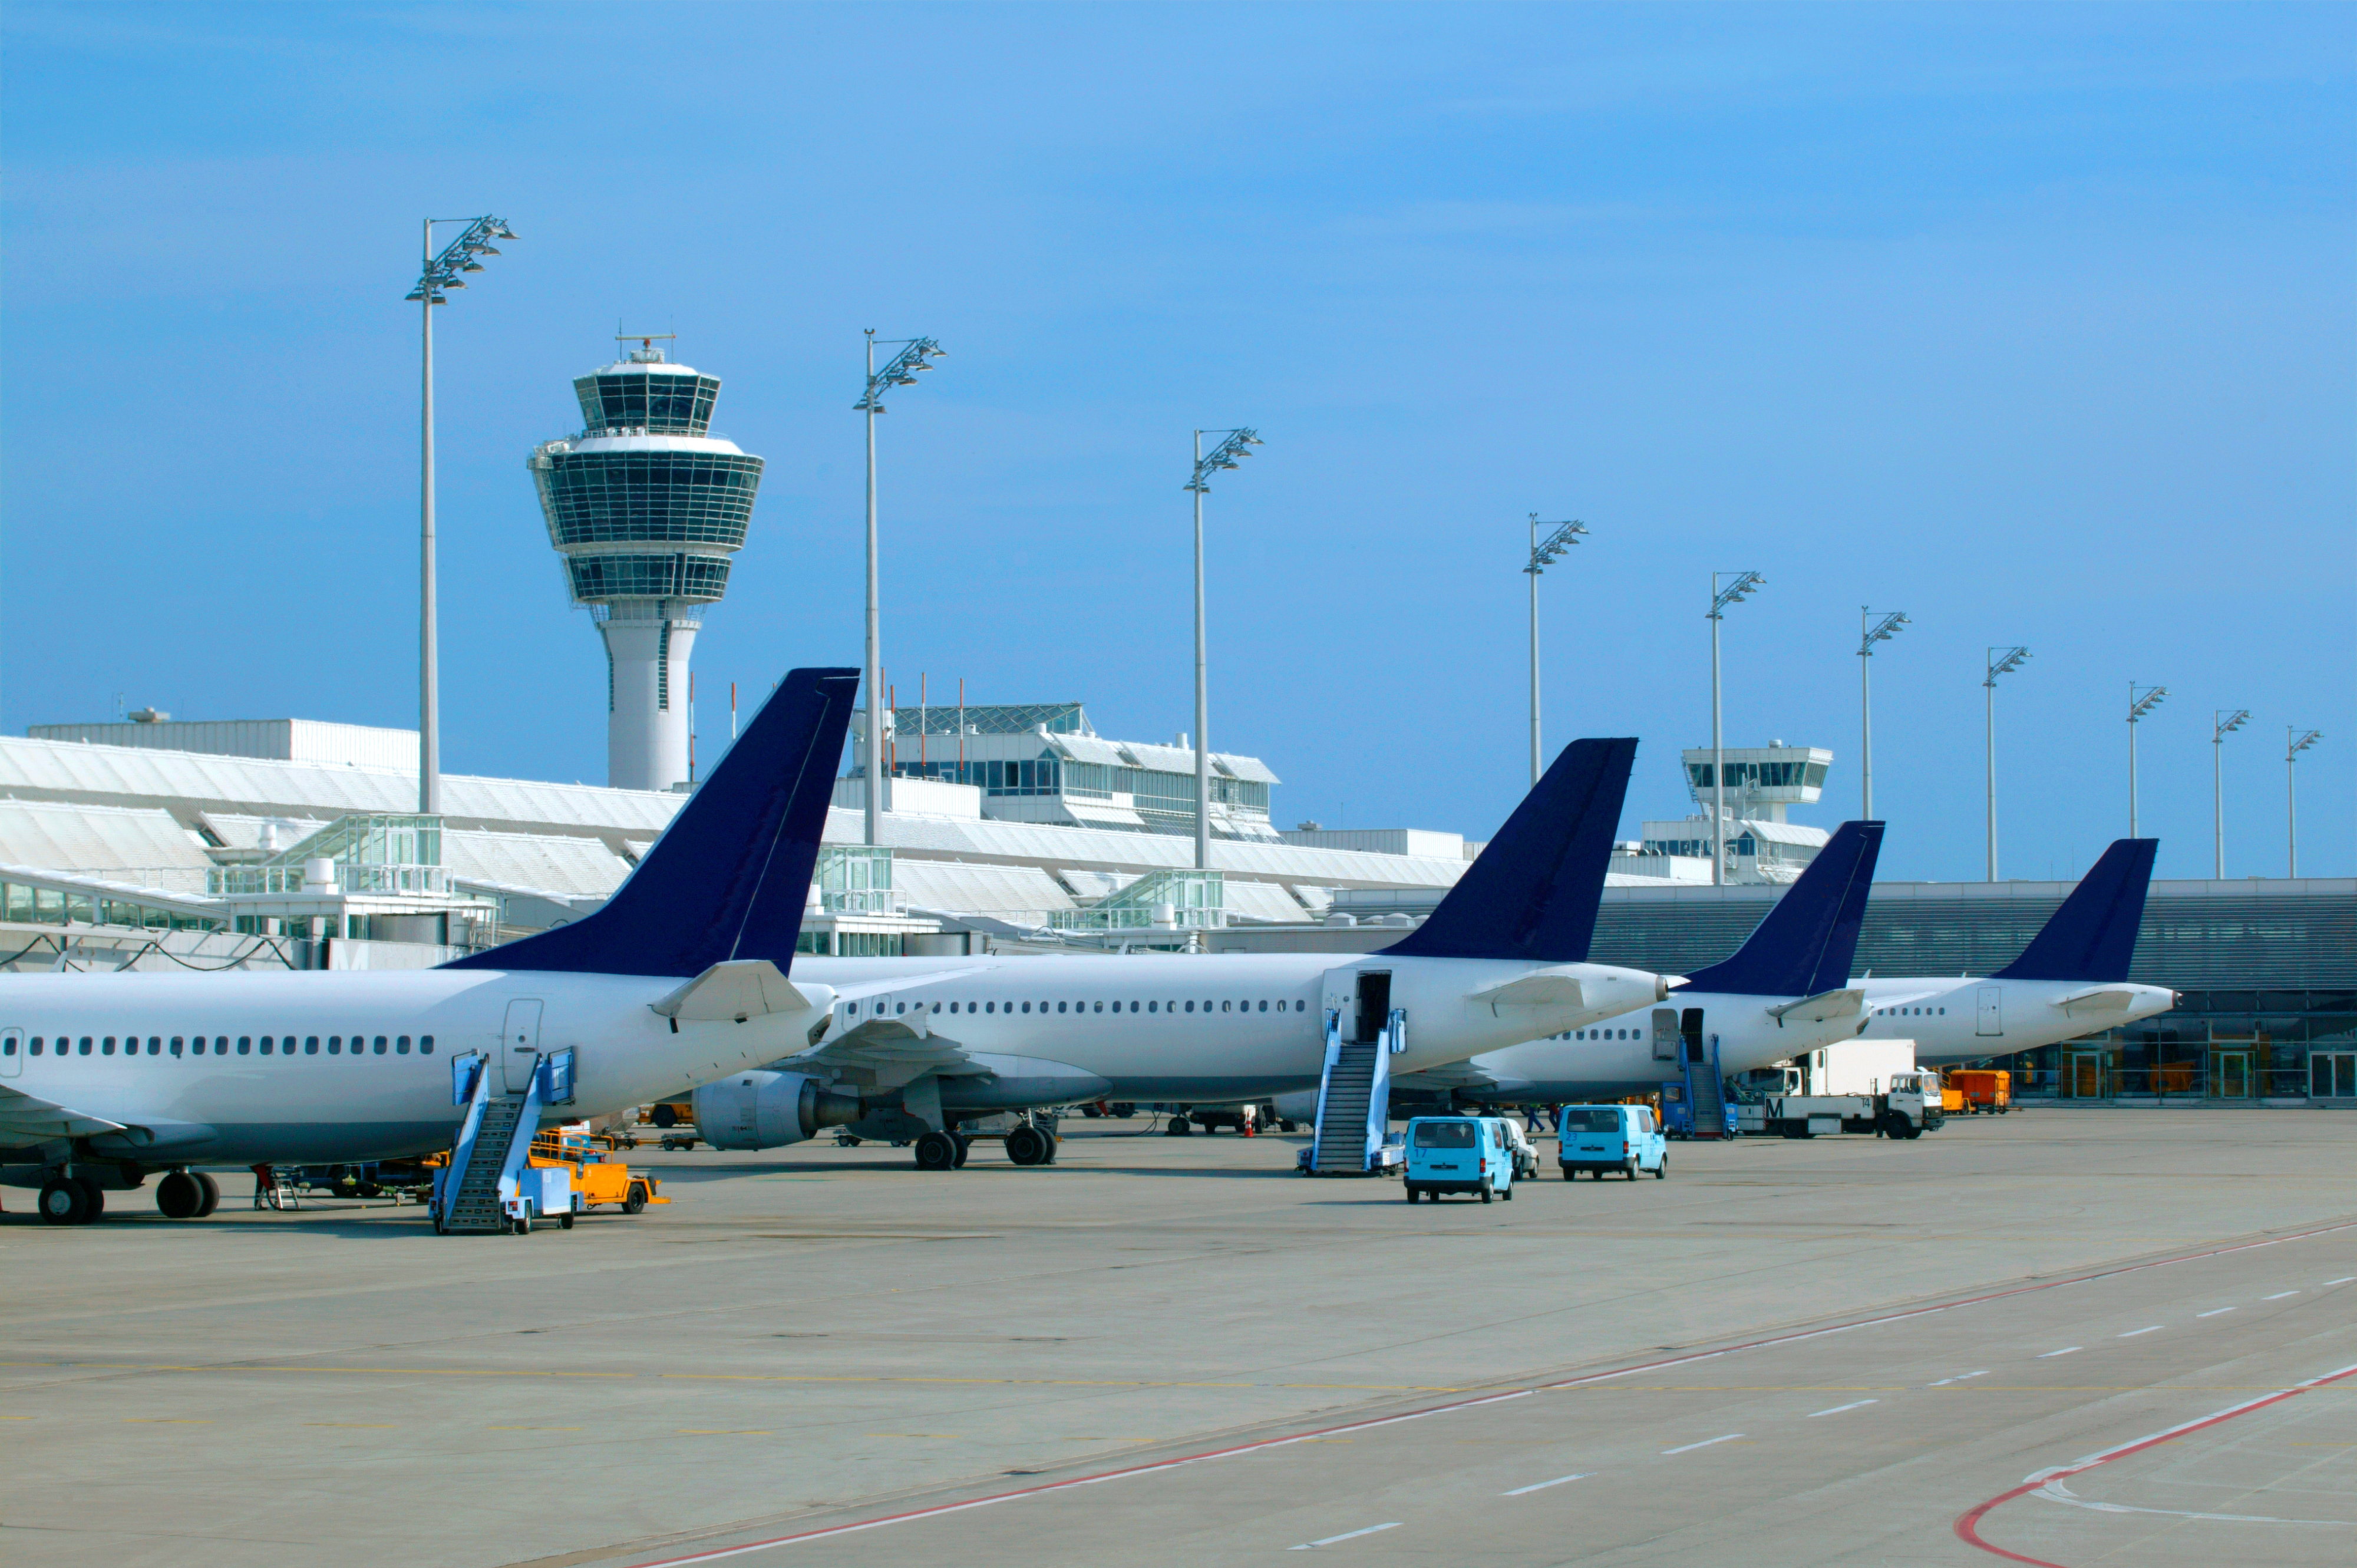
(596, 578)
(658, 403)
(1761, 774)
(670, 497)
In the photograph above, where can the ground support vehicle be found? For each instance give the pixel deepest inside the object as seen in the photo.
(1601, 1138)
(1909, 1108)
(1518, 1147)
(1978, 1089)
(669, 1113)
(1458, 1154)
(284, 1186)
(597, 1177)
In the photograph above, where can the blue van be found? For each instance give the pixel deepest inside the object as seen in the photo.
(1602, 1138)
(1458, 1154)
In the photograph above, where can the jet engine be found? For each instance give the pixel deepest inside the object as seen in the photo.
(764, 1110)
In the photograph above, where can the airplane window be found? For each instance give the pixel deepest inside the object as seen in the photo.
(903, 1006)
(990, 1006)
(380, 1046)
(221, 1045)
(1943, 1012)
(85, 1045)
(108, 1050)
(36, 1047)
(1190, 1006)
(1132, 1008)
(245, 1044)
(1060, 1006)
(1224, 1007)
(335, 1045)
(425, 1044)
(1026, 1006)
(155, 1045)
(1264, 1006)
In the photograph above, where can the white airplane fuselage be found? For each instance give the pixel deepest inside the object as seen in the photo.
(1206, 1027)
(324, 1100)
(1952, 1020)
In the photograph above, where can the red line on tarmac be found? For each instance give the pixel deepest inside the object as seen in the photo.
(941, 1510)
(1968, 1523)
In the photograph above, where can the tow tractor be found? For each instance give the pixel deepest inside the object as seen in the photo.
(598, 1177)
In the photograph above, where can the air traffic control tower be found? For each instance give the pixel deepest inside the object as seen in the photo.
(647, 507)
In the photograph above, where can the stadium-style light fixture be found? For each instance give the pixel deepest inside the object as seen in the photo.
(2222, 725)
(2139, 706)
(1544, 553)
(1235, 446)
(1870, 631)
(2294, 744)
(2001, 662)
(915, 356)
(437, 275)
(1737, 589)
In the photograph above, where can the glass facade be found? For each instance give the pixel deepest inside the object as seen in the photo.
(596, 578)
(641, 401)
(1761, 774)
(668, 498)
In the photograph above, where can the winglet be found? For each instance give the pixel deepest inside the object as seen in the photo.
(1803, 944)
(2093, 936)
(730, 875)
(1533, 892)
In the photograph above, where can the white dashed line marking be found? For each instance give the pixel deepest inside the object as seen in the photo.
(1959, 1377)
(2214, 1312)
(1542, 1485)
(1704, 1443)
(1347, 1535)
(2134, 1332)
(2066, 1350)
(2279, 1295)
(2342, 1279)
(1859, 1404)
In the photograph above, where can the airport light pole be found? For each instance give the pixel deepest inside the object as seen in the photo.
(2137, 708)
(2295, 743)
(1542, 556)
(1734, 593)
(2222, 723)
(437, 275)
(1869, 633)
(916, 355)
(1234, 444)
(2001, 662)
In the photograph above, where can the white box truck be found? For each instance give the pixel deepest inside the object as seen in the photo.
(1860, 1086)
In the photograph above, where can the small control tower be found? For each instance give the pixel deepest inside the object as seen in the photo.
(647, 507)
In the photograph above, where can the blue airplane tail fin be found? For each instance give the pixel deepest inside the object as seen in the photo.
(1532, 893)
(2093, 936)
(730, 875)
(1812, 931)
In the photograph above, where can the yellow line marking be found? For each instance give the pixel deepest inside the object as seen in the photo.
(533, 1429)
(911, 1434)
(722, 1431)
(165, 1421)
(372, 1426)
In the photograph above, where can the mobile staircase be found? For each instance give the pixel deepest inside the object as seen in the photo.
(490, 1184)
(1355, 1101)
(1707, 1093)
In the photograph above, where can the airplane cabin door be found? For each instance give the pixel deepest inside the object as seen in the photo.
(520, 1043)
(1665, 1034)
(1992, 1011)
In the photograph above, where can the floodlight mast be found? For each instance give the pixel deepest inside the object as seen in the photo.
(2294, 744)
(1869, 633)
(2139, 706)
(1721, 598)
(437, 274)
(2001, 662)
(2222, 725)
(1542, 556)
(1234, 444)
(915, 355)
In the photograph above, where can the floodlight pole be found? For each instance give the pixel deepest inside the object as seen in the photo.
(2295, 743)
(2222, 723)
(1543, 554)
(2137, 708)
(872, 796)
(429, 673)
(1234, 444)
(1721, 598)
(1871, 633)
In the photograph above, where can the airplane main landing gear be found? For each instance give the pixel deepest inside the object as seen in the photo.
(72, 1200)
(1027, 1145)
(937, 1151)
(180, 1195)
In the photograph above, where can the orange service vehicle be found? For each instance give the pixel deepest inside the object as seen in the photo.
(598, 1177)
(1981, 1088)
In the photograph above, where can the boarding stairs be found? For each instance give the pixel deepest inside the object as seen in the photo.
(490, 1159)
(1354, 1099)
(1706, 1093)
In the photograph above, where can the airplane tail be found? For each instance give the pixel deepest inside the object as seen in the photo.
(2093, 936)
(1534, 891)
(1812, 931)
(730, 875)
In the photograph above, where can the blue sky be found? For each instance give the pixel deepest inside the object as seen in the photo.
(2035, 322)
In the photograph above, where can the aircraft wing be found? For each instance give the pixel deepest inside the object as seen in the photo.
(1823, 1008)
(27, 1119)
(884, 1053)
(1444, 1080)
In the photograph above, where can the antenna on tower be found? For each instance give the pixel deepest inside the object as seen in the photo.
(648, 354)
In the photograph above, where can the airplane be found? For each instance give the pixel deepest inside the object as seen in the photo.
(1785, 991)
(2069, 982)
(335, 1066)
(913, 1050)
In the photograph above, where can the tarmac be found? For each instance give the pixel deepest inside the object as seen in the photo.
(2058, 1337)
